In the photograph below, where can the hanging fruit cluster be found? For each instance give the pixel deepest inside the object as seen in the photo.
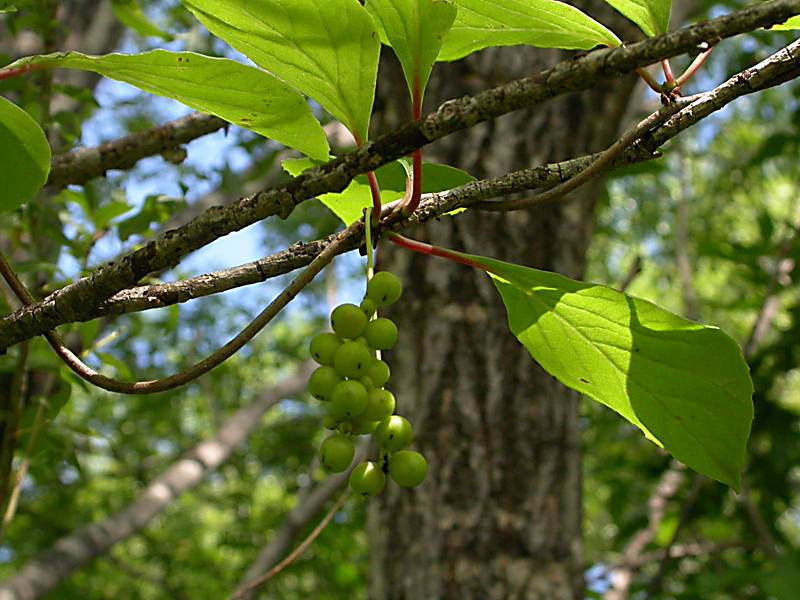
(351, 382)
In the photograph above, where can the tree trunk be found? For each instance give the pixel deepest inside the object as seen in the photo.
(500, 513)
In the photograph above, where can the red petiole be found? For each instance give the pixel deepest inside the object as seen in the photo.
(430, 250)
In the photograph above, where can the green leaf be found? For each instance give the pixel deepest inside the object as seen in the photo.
(415, 29)
(328, 50)
(349, 205)
(129, 13)
(652, 16)
(242, 95)
(793, 23)
(685, 385)
(542, 23)
(24, 154)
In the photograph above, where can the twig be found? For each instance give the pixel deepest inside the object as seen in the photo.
(598, 165)
(229, 349)
(10, 433)
(293, 556)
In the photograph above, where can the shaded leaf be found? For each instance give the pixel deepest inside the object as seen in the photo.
(130, 14)
(24, 154)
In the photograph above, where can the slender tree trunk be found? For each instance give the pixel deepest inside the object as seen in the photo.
(499, 516)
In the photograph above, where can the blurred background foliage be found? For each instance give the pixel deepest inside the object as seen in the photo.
(713, 225)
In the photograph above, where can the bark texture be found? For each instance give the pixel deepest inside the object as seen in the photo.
(499, 516)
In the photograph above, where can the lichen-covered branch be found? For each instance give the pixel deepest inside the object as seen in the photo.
(76, 301)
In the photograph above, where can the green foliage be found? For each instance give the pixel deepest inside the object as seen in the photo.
(652, 16)
(793, 23)
(349, 205)
(685, 385)
(415, 29)
(130, 14)
(24, 154)
(294, 39)
(543, 23)
(237, 93)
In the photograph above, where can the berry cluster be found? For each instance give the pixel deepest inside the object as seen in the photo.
(351, 382)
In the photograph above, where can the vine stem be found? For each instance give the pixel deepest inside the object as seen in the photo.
(431, 250)
(698, 62)
(295, 554)
(229, 349)
(667, 68)
(605, 158)
(649, 79)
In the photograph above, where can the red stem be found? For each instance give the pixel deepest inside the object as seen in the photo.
(374, 188)
(9, 73)
(668, 71)
(430, 250)
(649, 80)
(694, 67)
(416, 115)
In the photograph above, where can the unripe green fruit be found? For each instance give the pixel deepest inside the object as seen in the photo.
(323, 348)
(363, 426)
(348, 321)
(380, 405)
(368, 306)
(384, 288)
(379, 372)
(394, 433)
(381, 334)
(367, 382)
(352, 360)
(408, 468)
(336, 452)
(329, 422)
(362, 340)
(322, 382)
(367, 479)
(349, 399)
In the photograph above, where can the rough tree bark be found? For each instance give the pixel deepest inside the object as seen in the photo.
(499, 517)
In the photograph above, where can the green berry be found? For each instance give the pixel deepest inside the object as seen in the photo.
(323, 348)
(368, 306)
(379, 372)
(349, 399)
(368, 383)
(348, 321)
(329, 422)
(408, 468)
(380, 405)
(381, 334)
(336, 452)
(363, 426)
(384, 288)
(322, 382)
(394, 433)
(367, 479)
(362, 340)
(352, 360)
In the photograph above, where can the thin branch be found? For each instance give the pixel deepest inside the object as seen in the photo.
(79, 166)
(11, 417)
(73, 302)
(204, 366)
(295, 554)
(68, 554)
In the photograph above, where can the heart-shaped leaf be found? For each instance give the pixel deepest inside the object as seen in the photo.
(328, 50)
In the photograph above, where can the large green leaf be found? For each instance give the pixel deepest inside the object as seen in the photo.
(652, 16)
(328, 50)
(415, 29)
(24, 154)
(349, 204)
(542, 23)
(685, 385)
(793, 23)
(242, 95)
